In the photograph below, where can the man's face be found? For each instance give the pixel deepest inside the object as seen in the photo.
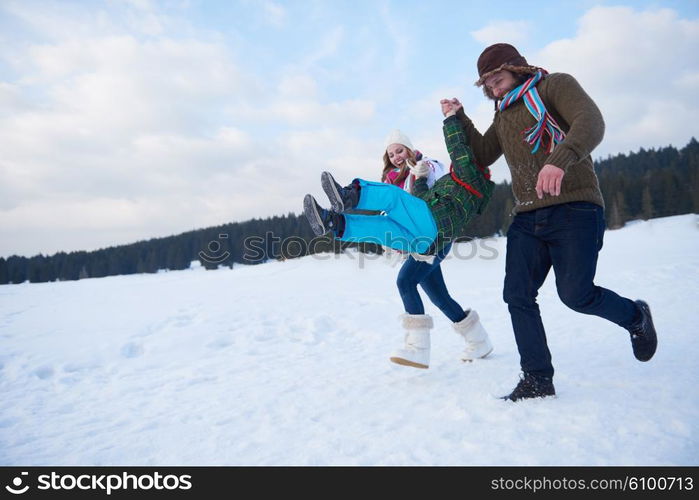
(500, 83)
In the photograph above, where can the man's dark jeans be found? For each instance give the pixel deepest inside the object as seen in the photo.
(568, 237)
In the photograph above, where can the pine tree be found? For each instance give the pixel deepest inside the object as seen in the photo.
(17, 269)
(616, 213)
(647, 210)
(4, 274)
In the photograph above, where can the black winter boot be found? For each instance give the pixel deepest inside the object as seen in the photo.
(322, 220)
(644, 340)
(532, 386)
(341, 198)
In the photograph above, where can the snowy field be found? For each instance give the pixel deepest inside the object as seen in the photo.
(287, 363)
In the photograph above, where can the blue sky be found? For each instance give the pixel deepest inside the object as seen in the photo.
(125, 120)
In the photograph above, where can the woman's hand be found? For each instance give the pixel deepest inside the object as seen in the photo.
(421, 169)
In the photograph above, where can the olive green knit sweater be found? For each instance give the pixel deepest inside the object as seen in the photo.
(580, 119)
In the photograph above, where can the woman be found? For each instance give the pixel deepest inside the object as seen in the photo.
(414, 224)
(400, 156)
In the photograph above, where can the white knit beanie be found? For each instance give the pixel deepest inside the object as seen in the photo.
(398, 137)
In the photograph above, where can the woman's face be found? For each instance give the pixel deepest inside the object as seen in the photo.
(397, 154)
(501, 83)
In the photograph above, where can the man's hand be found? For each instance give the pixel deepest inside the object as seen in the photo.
(450, 106)
(549, 181)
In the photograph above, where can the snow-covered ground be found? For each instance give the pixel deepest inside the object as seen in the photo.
(287, 363)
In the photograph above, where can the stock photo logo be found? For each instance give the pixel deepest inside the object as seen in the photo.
(108, 483)
(16, 488)
(214, 247)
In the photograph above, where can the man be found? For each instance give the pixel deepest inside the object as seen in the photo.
(547, 126)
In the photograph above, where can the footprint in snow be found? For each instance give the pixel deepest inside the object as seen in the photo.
(324, 324)
(220, 343)
(132, 350)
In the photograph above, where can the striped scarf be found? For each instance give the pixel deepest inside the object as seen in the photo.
(545, 123)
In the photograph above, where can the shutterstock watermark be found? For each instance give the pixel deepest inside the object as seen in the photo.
(259, 248)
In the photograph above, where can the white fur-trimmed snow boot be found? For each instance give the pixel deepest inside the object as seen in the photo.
(477, 342)
(416, 352)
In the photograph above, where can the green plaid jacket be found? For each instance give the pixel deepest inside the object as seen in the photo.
(454, 205)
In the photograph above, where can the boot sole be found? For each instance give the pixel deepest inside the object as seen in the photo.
(311, 213)
(405, 362)
(507, 398)
(330, 187)
(473, 359)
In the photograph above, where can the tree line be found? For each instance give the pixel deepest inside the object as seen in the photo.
(641, 185)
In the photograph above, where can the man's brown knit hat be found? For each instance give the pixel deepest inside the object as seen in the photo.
(501, 56)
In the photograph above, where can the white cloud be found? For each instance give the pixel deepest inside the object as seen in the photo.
(275, 13)
(55, 20)
(10, 98)
(311, 112)
(689, 81)
(327, 47)
(133, 137)
(641, 69)
(515, 32)
(298, 85)
(398, 29)
(112, 133)
(309, 152)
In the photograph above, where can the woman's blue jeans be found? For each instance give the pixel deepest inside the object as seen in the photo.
(429, 277)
